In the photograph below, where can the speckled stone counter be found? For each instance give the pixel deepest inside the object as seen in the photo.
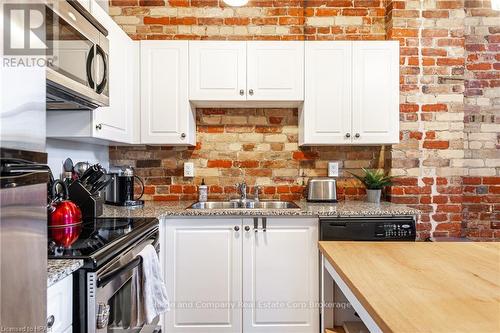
(344, 208)
(58, 269)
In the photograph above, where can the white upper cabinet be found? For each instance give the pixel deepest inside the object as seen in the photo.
(280, 266)
(115, 122)
(217, 71)
(375, 104)
(352, 93)
(326, 116)
(202, 267)
(265, 73)
(275, 71)
(166, 115)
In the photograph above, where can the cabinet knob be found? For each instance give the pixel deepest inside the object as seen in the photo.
(50, 321)
(348, 135)
(98, 127)
(247, 228)
(236, 228)
(183, 135)
(357, 135)
(250, 92)
(242, 92)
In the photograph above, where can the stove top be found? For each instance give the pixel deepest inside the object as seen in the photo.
(104, 235)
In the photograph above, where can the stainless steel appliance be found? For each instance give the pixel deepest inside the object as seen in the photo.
(376, 228)
(104, 288)
(120, 191)
(322, 189)
(77, 72)
(23, 240)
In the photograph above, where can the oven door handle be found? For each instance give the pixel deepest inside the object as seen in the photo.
(106, 278)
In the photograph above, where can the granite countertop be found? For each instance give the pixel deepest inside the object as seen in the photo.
(344, 209)
(58, 269)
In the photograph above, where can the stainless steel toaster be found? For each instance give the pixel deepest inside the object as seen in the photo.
(322, 189)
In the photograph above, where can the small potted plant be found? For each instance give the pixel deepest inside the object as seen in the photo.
(375, 181)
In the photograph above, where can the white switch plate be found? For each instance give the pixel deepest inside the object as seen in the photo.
(333, 169)
(188, 169)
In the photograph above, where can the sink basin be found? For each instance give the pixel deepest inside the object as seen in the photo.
(215, 205)
(244, 205)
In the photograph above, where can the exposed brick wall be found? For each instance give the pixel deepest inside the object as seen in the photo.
(448, 160)
(257, 145)
(429, 158)
(481, 201)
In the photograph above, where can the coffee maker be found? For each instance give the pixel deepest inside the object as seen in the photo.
(120, 192)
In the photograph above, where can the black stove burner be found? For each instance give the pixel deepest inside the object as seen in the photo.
(97, 234)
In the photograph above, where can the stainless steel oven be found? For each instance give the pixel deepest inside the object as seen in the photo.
(112, 305)
(77, 66)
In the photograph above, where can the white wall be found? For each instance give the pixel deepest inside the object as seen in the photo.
(59, 150)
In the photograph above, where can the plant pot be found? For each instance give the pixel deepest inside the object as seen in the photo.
(373, 196)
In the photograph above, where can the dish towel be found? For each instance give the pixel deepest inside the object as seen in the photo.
(154, 293)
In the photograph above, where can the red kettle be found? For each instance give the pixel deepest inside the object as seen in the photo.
(65, 218)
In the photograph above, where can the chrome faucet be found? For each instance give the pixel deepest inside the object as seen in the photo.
(242, 188)
(256, 191)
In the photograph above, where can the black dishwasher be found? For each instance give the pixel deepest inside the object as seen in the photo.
(368, 228)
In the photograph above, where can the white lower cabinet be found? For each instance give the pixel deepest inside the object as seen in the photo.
(203, 269)
(280, 276)
(222, 276)
(60, 306)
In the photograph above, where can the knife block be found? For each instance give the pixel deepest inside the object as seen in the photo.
(90, 205)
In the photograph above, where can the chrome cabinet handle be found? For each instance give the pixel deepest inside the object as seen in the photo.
(50, 321)
(357, 135)
(247, 228)
(348, 135)
(236, 228)
(183, 135)
(242, 92)
(250, 92)
(98, 127)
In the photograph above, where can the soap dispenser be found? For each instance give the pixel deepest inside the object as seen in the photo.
(202, 191)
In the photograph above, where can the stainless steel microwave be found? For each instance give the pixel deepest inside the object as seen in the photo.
(78, 69)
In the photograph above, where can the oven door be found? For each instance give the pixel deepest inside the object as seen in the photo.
(74, 72)
(114, 305)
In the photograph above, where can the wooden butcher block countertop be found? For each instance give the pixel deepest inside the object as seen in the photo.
(422, 286)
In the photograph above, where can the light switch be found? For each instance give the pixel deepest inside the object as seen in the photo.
(188, 169)
(333, 169)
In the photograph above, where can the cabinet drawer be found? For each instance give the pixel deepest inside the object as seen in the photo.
(60, 305)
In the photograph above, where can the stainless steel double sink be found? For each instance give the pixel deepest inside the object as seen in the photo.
(244, 204)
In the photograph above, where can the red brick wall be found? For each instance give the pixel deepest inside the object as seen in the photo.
(448, 160)
(481, 200)
(257, 145)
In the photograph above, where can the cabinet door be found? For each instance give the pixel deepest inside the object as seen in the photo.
(375, 92)
(166, 116)
(217, 71)
(59, 304)
(280, 276)
(326, 115)
(275, 71)
(114, 122)
(202, 265)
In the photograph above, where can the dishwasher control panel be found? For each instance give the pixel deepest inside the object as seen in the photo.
(393, 228)
(390, 230)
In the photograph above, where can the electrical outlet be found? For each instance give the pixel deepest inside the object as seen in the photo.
(188, 169)
(333, 169)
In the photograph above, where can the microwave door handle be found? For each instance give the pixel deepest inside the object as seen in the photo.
(90, 60)
(102, 85)
(106, 278)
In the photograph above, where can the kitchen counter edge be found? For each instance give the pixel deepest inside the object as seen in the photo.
(341, 209)
(58, 269)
